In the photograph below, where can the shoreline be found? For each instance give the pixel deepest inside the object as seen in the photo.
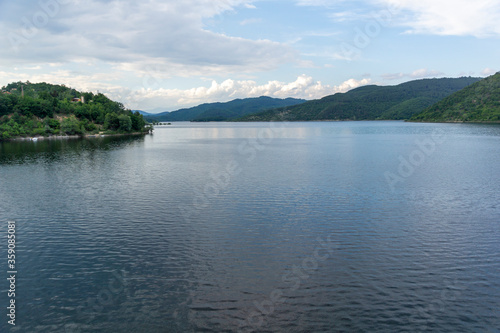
(345, 120)
(85, 136)
(454, 122)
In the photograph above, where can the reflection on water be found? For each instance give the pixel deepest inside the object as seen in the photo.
(19, 152)
(153, 234)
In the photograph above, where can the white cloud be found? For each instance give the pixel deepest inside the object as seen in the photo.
(488, 71)
(417, 74)
(315, 3)
(477, 18)
(346, 16)
(393, 76)
(150, 97)
(303, 87)
(34, 68)
(424, 72)
(170, 34)
(250, 21)
(80, 81)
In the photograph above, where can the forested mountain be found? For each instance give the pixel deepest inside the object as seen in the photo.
(479, 102)
(370, 102)
(42, 109)
(144, 113)
(224, 111)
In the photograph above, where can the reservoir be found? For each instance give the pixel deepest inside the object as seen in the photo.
(376, 226)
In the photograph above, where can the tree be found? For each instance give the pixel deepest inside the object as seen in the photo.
(111, 121)
(71, 126)
(7, 103)
(125, 123)
(137, 121)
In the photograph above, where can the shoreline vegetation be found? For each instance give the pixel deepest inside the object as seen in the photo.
(32, 111)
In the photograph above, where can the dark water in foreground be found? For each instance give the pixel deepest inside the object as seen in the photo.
(299, 227)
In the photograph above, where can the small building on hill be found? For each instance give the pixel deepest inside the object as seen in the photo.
(76, 99)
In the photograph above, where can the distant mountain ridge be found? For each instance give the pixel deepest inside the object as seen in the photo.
(479, 102)
(144, 113)
(370, 102)
(224, 111)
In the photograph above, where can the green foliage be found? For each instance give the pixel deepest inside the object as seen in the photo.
(125, 123)
(52, 123)
(5, 135)
(406, 109)
(30, 109)
(7, 102)
(369, 102)
(22, 126)
(111, 121)
(89, 127)
(138, 122)
(71, 126)
(479, 102)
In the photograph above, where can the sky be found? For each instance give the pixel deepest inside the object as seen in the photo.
(165, 55)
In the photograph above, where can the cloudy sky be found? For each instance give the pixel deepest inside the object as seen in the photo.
(163, 55)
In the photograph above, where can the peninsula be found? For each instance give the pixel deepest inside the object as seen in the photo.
(44, 110)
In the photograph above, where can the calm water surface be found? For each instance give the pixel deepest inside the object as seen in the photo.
(257, 227)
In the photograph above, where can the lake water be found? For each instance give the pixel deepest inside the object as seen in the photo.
(256, 227)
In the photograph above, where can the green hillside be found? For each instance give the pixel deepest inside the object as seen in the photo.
(224, 111)
(479, 102)
(370, 102)
(42, 109)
